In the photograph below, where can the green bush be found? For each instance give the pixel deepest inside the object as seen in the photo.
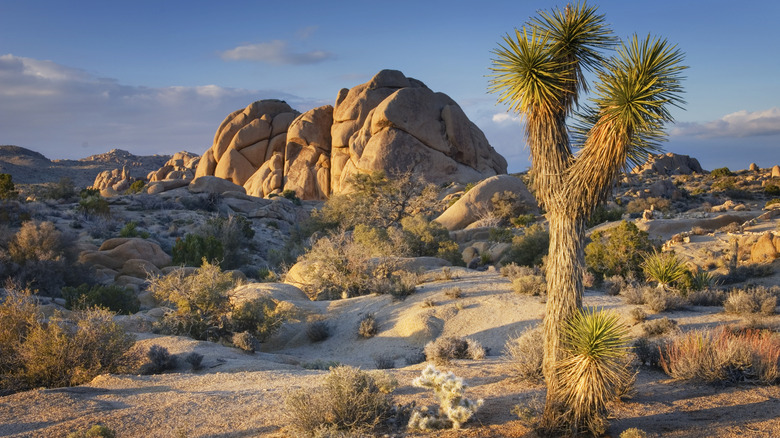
(665, 268)
(92, 204)
(428, 238)
(618, 251)
(721, 172)
(772, 190)
(639, 205)
(115, 298)
(203, 309)
(96, 431)
(136, 187)
(63, 190)
(234, 234)
(191, 250)
(500, 235)
(602, 214)
(505, 205)
(349, 400)
(529, 248)
(7, 188)
(523, 220)
(131, 230)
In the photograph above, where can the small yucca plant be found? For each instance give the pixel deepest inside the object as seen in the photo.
(664, 267)
(596, 370)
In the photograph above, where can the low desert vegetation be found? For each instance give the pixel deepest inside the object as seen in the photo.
(525, 352)
(114, 298)
(349, 400)
(96, 431)
(220, 240)
(446, 348)
(368, 327)
(725, 355)
(664, 268)
(758, 299)
(530, 248)
(619, 250)
(58, 351)
(454, 408)
(203, 309)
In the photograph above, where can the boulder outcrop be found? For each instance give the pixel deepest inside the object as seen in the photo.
(181, 166)
(477, 201)
(669, 164)
(391, 123)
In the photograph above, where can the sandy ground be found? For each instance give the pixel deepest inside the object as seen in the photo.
(241, 395)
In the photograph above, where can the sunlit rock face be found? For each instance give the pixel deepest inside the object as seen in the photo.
(391, 123)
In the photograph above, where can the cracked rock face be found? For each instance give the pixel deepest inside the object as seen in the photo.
(391, 123)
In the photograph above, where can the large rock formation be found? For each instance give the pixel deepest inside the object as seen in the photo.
(669, 164)
(391, 123)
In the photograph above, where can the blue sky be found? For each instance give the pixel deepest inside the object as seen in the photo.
(82, 77)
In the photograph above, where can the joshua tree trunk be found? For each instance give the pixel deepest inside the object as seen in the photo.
(564, 297)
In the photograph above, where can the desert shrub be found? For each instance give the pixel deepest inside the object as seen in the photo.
(454, 408)
(662, 300)
(772, 190)
(7, 188)
(446, 348)
(38, 241)
(635, 294)
(194, 248)
(529, 248)
(115, 298)
(523, 220)
(724, 355)
(657, 327)
(633, 433)
(260, 317)
(368, 327)
(92, 204)
(706, 297)
(136, 187)
(63, 190)
(319, 364)
(638, 315)
(639, 205)
(501, 235)
(513, 270)
(159, 359)
(696, 280)
(204, 311)
(67, 352)
(378, 200)
(595, 370)
(234, 234)
(96, 431)
(648, 350)
(665, 268)
(757, 299)
(534, 285)
(454, 293)
(318, 331)
(772, 201)
(526, 351)
(384, 362)
(424, 237)
(617, 251)
(131, 230)
(602, 214)
(195, 360)
(745, 272)
(721, 172)
(588, 279)
(614, 284)
(245, 341)
(506, 205)
(349, 400)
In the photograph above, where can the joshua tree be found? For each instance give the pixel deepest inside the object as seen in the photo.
(539, 72)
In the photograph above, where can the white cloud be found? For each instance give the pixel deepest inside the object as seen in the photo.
(55, 109)
(735, 125)
(275, 52)
(506, 118)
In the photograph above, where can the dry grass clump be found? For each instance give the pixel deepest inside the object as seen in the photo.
(454, 293)
(444, 349)
(724, 355)
(526, 351)
(706, 297)
(534, 285)
(638, 315)
(349, 400)
(757, 299)
(633, 433)
(661, 299)
(368, 326)
(657, 327)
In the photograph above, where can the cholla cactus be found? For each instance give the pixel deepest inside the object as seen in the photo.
(449, 390)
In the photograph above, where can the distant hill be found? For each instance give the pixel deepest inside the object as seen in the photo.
(29, 167)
